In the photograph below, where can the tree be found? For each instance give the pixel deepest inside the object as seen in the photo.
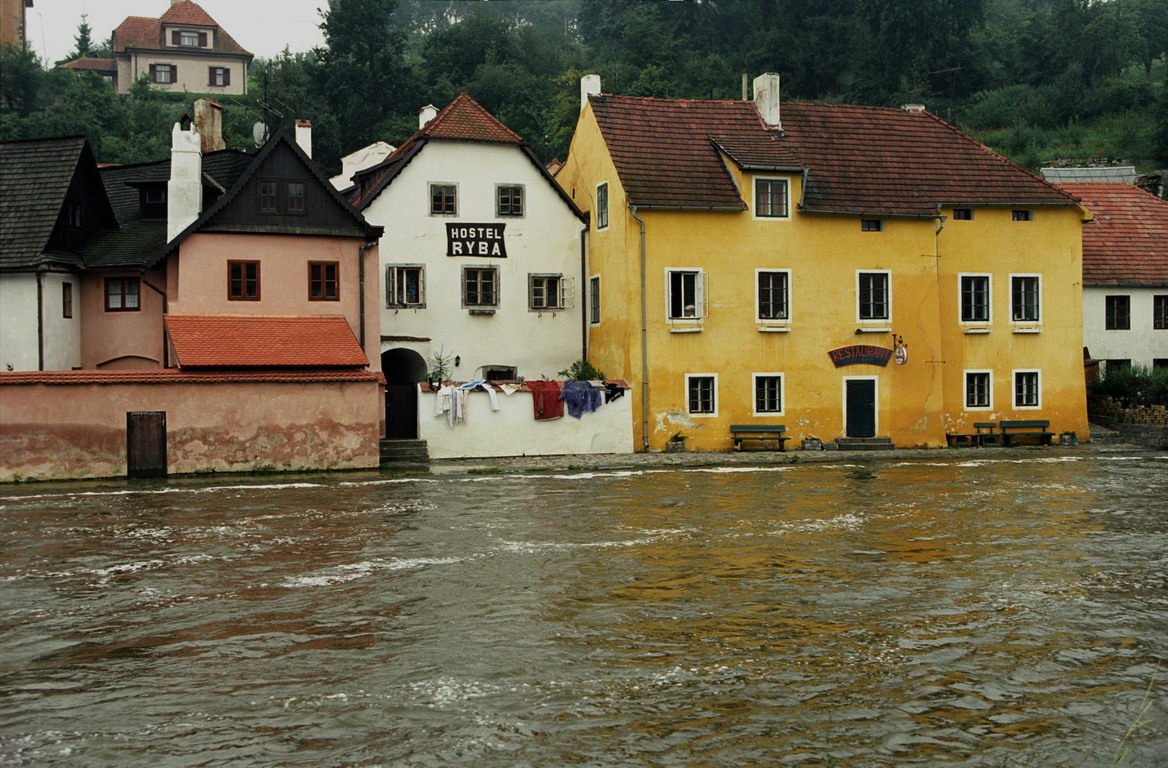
(83, 43)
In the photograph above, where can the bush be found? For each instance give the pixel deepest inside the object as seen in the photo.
(582, 370)
(1132, 385)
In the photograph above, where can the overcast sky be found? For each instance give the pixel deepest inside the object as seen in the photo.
(263, 27)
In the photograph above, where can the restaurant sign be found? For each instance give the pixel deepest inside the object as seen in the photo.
(860, 354)
(475, 240)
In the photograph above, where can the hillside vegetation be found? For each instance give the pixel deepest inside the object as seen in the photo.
(1037, 80)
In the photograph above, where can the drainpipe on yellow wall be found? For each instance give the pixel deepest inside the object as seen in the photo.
(644, 340)
(584, 294)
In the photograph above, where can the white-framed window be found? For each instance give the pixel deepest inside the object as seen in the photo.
(975, 291)
(405, 286)
(1027, 389)
(548, 292)
(602, 205)
(594, 300)
(163, 74)
(979, 391)
(443, 199)
(685, 295)
(1160, 312)
(963, 214)
(188, 38)
(509, 200)
(772, 295)
(1021, 214)
(218, 76)
(701, 394)
(1026, 299)
(871, 225)
(874, 295)
(480, 287)
(768, 394)
(771, 199)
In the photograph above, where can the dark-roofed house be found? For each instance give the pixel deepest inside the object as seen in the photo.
(53, 203)
(481, 263)
(1125, 274)
(869, 276)
(183, 50)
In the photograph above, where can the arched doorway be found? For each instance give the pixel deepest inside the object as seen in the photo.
(403, 369)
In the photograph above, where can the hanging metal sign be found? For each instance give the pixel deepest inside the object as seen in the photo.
(860, 354)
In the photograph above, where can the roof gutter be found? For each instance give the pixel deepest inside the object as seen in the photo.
(644, 340)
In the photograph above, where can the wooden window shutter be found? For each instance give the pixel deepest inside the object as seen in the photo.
(226, 76)
(174, 73)
(202, 39)
(153, 73)
(175, 37)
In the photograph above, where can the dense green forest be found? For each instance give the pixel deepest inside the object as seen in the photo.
(1037, 80)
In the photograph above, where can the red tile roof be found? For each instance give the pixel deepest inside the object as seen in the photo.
(90, 63)
(465, 120)
(146, 33)
(176, 376)
(1127, 242)
(264, 341)
(860, 160)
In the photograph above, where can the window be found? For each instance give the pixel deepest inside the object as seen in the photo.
(977, 390)
(323, 284)
(1119, 364)
(773, 295)
(73, 214)
(1020, 215)
(770, 198)
(405, 286)
(701, 394)
(500, 372)
(1160, 313)
(768, 393)
(962, 214)
(243, 280)
(66, 299)
(685, 298)
(1160, 362)
(871, 225)
(480, 287)
(269, 196)
(121, 294)
(164, 73)
(1118, 313)
(219, 76)
(443, 200)
(1024, 298)
(602, 205)
(594, 299)
(508, 200)
(975, 298)
(1026, 389)
(296, 194)
(188, 38)
(874, 295)
(547, 292)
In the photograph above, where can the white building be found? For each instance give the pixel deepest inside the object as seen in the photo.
(481, 260)
(1125, 274)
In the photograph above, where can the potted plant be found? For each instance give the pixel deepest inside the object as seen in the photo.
(675, 444)
(1069, 438)
(439, 370)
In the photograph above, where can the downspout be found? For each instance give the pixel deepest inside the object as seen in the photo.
(361, 281)
(165, 311)
(584, 293)
(40, 320)
(644, 340)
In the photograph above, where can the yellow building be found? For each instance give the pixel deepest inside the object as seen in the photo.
(843, 271)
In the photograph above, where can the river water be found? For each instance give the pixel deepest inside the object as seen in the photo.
(965, 613)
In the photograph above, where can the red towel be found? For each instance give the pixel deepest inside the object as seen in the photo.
(545, 399)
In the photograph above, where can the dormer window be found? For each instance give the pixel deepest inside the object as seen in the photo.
(188, 38)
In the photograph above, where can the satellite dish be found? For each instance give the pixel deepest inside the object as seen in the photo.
(259, 133)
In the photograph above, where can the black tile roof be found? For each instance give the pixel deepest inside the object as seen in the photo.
(34, 177)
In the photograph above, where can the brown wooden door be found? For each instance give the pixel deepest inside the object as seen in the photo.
(401, 411)
(146, 444)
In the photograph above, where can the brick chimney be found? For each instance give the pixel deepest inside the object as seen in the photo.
(184, 191)
(589, 85)
(426, 114)
(766, 98)
(209, 122)
(304, 136)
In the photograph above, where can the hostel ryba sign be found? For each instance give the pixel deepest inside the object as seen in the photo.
(860, 354)
(475, 240)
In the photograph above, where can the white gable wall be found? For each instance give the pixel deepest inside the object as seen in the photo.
(19, 333)
(545, 240)
(1141, 344)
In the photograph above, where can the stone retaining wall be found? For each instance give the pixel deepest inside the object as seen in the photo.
(1143, 425)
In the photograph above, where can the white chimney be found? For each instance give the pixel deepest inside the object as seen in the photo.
(209, 122)
(426, 114)
(304, 136)
(184, 191)
(916, 109)
(589, 86)
(766, 98)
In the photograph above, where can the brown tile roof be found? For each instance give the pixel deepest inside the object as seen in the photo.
(176, 376)
(264, 341)
(860, 160)
(465, 120)
(1127, 242)
(89, 63)
(146, 33)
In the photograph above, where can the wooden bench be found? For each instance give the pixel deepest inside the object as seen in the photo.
(1026, 428)
(986, 434)
(740, 432)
